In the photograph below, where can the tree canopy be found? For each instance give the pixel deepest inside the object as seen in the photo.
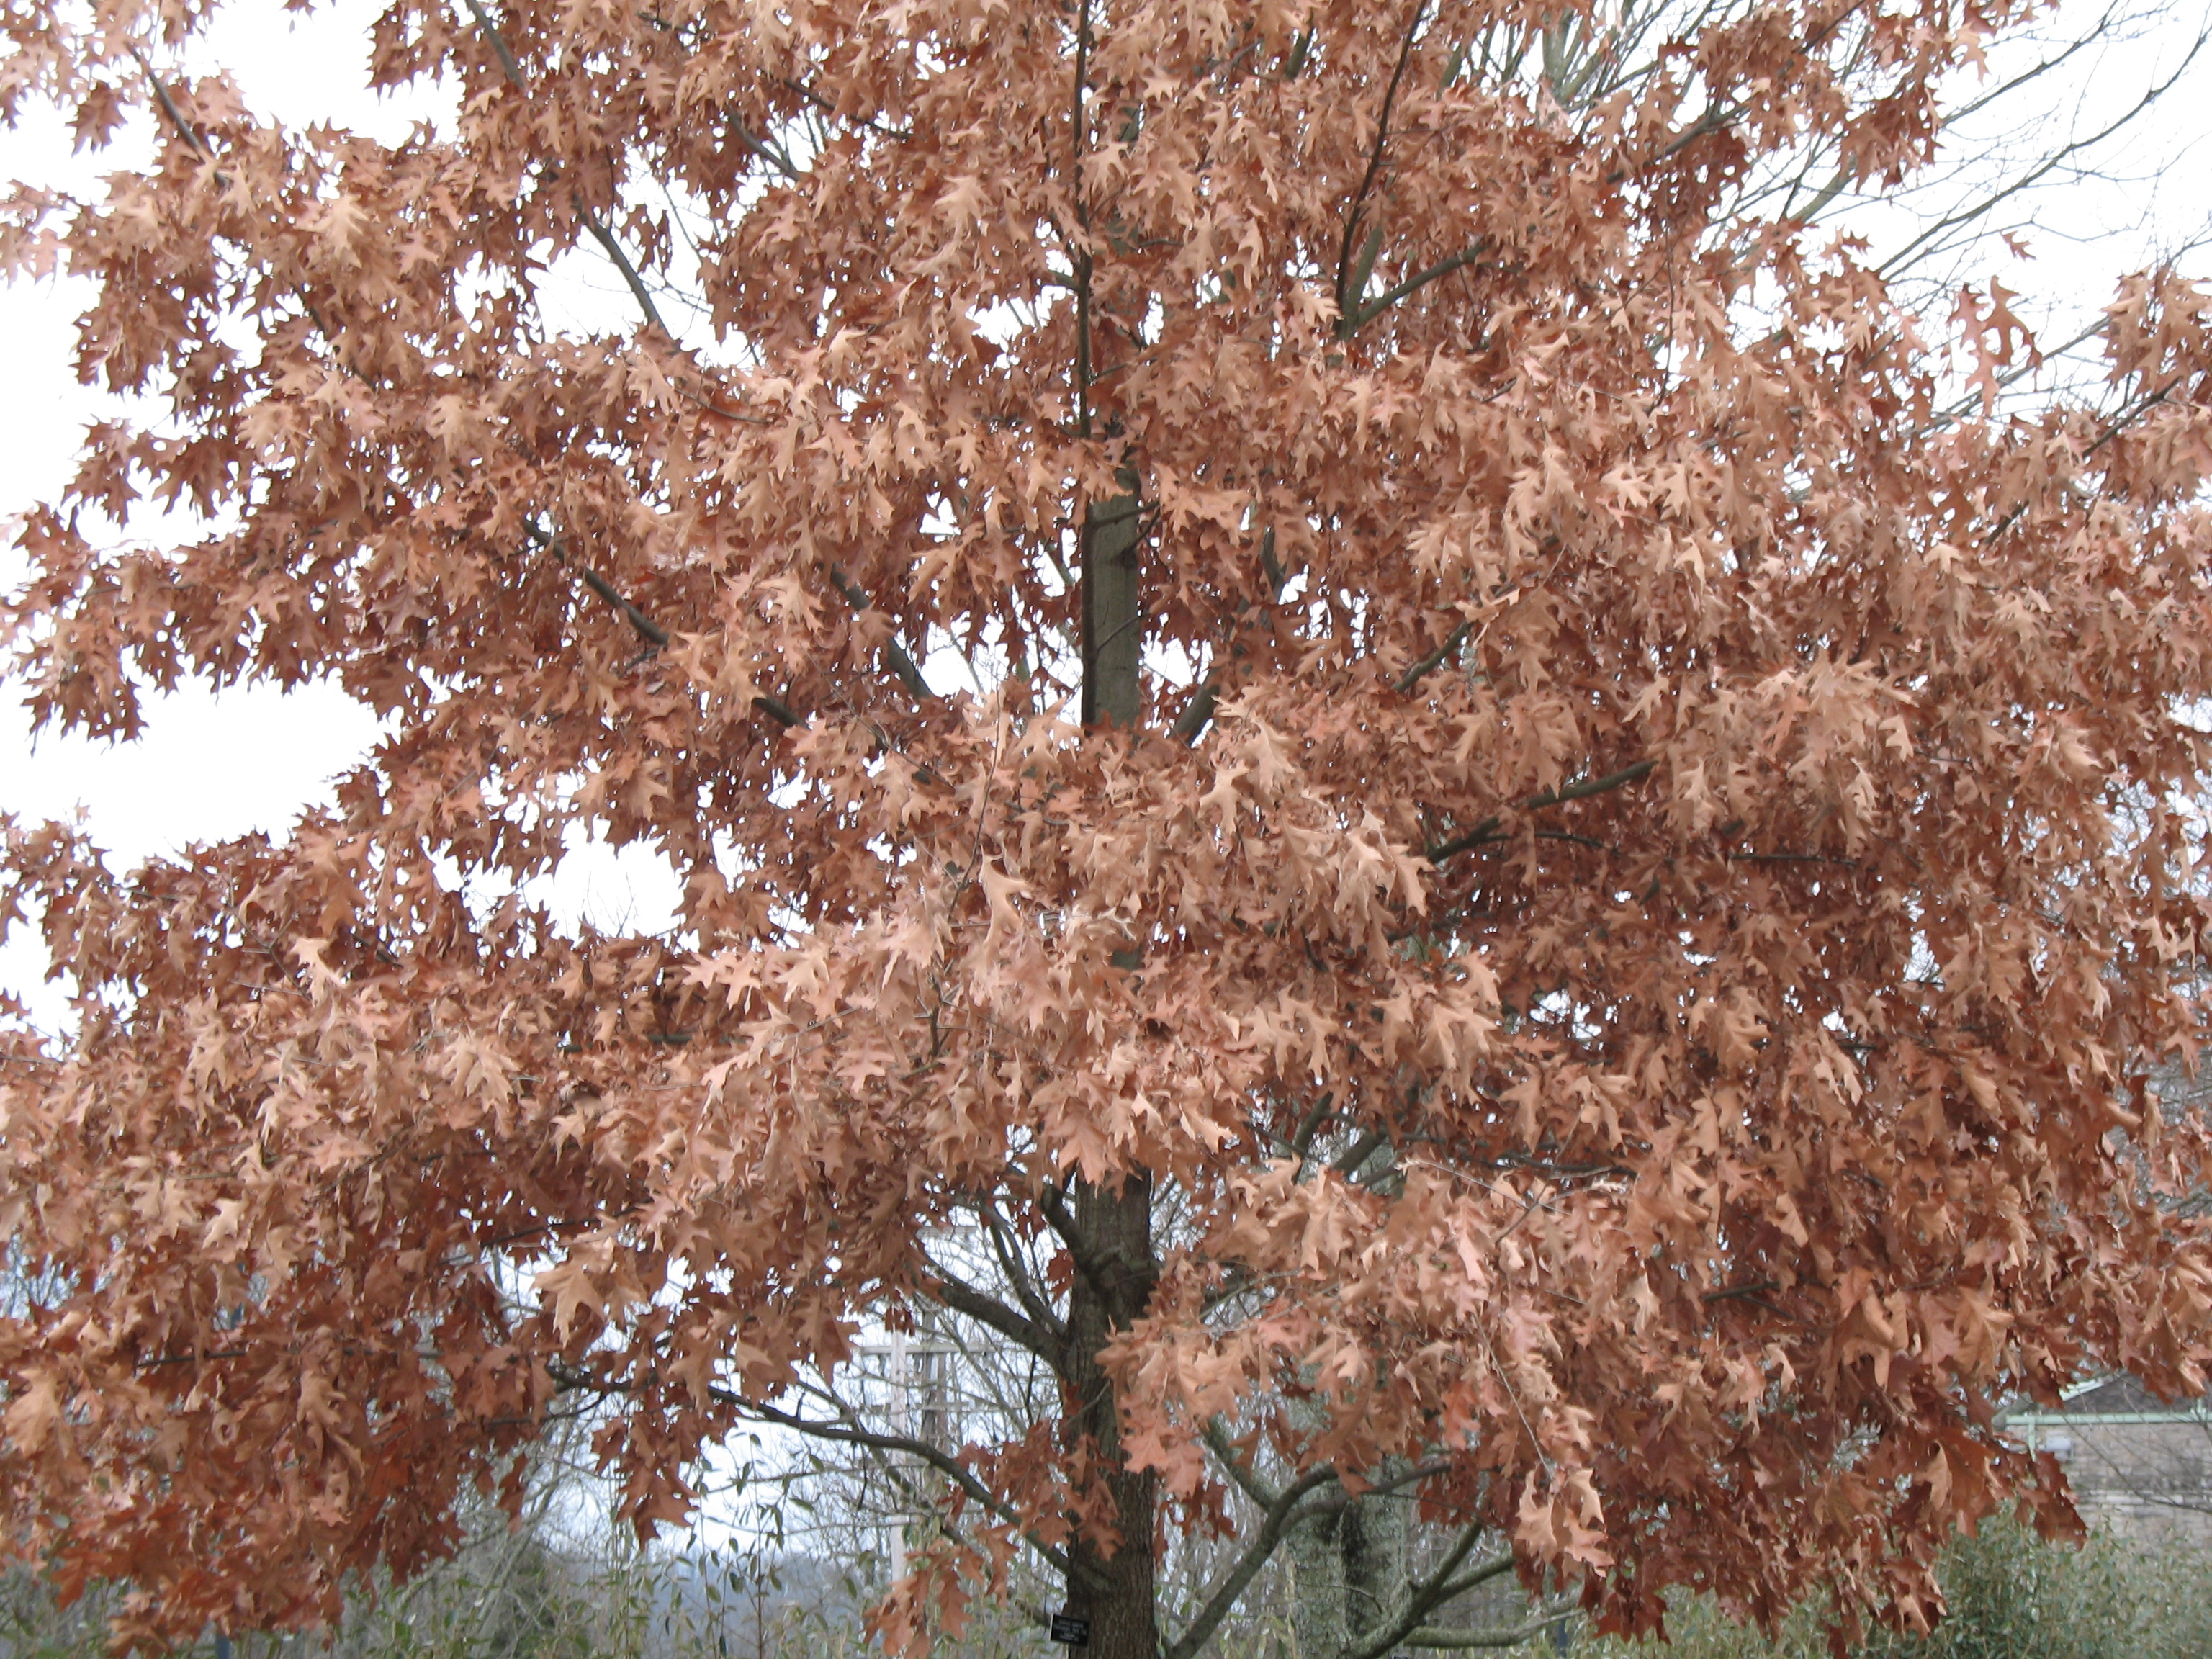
(1361, 746)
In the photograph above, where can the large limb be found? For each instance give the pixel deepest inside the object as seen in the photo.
(853, 1434)
(959, 1296)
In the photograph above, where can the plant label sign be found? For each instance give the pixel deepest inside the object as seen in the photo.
(1070, 1630)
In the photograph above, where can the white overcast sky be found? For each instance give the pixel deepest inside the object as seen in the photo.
(214, 766)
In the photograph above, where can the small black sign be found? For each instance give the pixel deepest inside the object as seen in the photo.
(1070, 1631)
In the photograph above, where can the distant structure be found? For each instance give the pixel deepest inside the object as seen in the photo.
(2139, 1467)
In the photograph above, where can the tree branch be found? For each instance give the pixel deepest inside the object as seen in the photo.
(1198, 712)
(895, 657)
(1355, 1156)
(946, 1465)
(1368, 312)
(1309, 1125)
(1432, 1638)
(965, 1299)
(1010, 1263)
(1348, 307)
(776, 158)
(198, 147)
(643, 625)
(498, 43)
(599, 232)
(903, 134)
(176, 116)
(605, 239)
(1487, 831)
(1080, 257)
(1475, 1580)
(1414, 676)
(2119, 423)
(1280, 1516)
(1434, 1590)
(1215, 1437)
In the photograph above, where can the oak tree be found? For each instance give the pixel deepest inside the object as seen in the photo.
(1359, 748)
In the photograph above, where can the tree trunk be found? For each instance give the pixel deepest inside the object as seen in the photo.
(1114, 1269)
(1114, 1589)
(1113, 611)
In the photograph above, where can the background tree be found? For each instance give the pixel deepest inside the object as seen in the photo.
(1588, 956)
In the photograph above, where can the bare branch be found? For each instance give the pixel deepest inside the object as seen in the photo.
(605, 239)
(2048, 164)
(775, 157)
(965, 1299)
(1003, 1246)
(1440, 1586)
(1215, 1437)
(176, 116)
